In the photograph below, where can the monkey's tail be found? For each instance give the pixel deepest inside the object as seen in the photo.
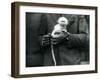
(53, 55)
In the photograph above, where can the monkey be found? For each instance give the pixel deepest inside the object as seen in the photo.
(60, 27)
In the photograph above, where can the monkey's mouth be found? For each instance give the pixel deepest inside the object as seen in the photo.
(57, 33)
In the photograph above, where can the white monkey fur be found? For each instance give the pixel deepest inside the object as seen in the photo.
(60, 28)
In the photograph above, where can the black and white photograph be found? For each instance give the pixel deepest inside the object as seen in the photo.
(52, 39)
(56, 39)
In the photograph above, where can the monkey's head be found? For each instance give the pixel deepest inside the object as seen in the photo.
(63, 21)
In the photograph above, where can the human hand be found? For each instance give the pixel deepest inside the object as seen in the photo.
(46, 40)
(60, 39)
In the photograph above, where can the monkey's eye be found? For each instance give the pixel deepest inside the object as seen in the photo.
(62, 21)
(57, 33)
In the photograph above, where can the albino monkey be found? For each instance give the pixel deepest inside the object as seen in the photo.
(60, 28)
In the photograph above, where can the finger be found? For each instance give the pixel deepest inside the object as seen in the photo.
(45, 39)
(46, 43)
(54, 40)
(47, 36)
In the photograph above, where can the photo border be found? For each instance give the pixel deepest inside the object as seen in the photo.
(15, 38)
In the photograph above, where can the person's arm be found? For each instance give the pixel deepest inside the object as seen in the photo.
(43, 36)
(79, 40)
(82, 38)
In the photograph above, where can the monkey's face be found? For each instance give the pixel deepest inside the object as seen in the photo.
(57, 33)
(63, 21)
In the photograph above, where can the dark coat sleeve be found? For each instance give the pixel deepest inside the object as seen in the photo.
(43, 29)
(81, 39)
